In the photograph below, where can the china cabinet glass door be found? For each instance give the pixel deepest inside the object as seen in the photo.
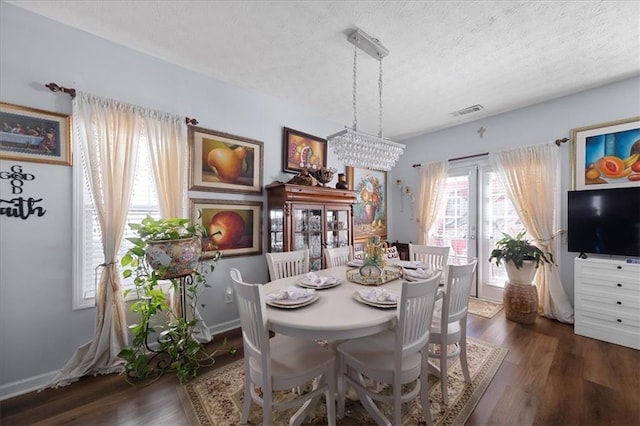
(307, 233)
(336, 227)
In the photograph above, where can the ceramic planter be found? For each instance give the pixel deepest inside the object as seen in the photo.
(175, 258)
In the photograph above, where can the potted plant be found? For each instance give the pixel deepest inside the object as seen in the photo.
(521, 260)
(165, 249)
(520, 256)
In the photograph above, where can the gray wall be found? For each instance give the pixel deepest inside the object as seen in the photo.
(39, 331)
(541, 123)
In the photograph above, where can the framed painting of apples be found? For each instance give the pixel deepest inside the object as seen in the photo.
(606, 155)
(223, 162)
(233, 227)
(302, 151)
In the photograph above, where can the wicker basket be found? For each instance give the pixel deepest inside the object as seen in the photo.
(520, 302)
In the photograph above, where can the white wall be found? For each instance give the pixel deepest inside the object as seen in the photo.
(38, 329)
(542, 123)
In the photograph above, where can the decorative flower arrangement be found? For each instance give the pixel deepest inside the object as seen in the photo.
(370, 192)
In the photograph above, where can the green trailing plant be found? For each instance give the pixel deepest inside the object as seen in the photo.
(518, 249)
(176, 349)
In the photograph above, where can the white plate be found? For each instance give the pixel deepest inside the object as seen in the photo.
(379, 302)
(293, 303)
(307, 283)
(355, 263)
(376, 304)
(410, 265)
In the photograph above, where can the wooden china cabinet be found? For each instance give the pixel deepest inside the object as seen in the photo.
(309, 217)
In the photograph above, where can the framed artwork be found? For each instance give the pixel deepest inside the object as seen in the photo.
(234, 227)
(302, 151)
(224, 163)
(370, 213)
(29, 134)
(606, 155)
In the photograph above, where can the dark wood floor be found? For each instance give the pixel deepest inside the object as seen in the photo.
(550, 377)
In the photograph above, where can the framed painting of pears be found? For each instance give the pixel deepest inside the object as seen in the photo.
(222, 162)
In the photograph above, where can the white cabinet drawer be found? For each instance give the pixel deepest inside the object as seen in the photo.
(614, 288)
(607, 269)
(627, 310)
(608, 328)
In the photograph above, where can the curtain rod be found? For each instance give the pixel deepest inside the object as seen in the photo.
(557, 142)
(72, 92)
(466, 157)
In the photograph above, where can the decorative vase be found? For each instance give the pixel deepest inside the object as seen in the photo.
(342, 182)
(174, 258)
(369, 213)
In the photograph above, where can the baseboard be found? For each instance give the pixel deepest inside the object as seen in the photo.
(37, 383)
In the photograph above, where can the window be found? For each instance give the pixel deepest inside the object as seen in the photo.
(88, 243)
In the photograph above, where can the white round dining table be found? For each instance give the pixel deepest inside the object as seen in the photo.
(336, 315)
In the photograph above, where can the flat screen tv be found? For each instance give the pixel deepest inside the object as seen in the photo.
(604, 221)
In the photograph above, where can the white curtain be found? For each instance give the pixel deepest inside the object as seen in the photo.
(433, 181)
(529, 175)
(108, 132)
(168, 152)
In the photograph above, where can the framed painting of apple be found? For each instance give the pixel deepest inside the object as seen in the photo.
(234, 227)
(224, 163)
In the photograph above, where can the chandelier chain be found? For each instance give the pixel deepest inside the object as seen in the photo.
(355, 86)
(380, 96)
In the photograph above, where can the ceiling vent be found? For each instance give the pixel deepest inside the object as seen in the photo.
(467, 110)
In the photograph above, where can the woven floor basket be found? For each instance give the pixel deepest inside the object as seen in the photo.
(521, 302)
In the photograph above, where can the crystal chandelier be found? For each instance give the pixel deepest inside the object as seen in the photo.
(357, 148)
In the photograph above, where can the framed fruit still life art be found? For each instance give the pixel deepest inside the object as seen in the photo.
(606, 155)
(224, 163)
(302, 151)
(233, 227)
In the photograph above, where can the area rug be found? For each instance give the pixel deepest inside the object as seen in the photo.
(484, 308)
(215, 399)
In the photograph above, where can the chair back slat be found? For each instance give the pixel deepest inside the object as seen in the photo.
(458, 289)
(253, 321)
(287, 264)
(337, 256)
(415, 311)
(434, 257)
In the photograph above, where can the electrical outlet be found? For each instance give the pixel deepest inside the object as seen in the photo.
(228, 295)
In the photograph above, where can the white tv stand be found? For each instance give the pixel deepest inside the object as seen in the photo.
(607, 300)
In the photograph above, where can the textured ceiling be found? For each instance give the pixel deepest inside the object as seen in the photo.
(444, 55)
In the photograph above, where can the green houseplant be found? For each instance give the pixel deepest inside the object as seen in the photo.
(165, 249)
(521, 260)
(518, 250)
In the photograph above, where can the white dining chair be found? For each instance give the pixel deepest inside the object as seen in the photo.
(449, 325)
(280, 363)
(337, 256)
(393, 357)
(287, 264)
(434, 257)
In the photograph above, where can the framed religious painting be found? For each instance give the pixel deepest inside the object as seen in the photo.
(222, 162)
(233, 227)
(606, 155)
(370, 212)
(29, 134)
(302, 151)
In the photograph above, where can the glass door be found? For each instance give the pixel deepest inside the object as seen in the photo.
(307, 233)
(337, 227)
(456, 226)
(477, 212)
